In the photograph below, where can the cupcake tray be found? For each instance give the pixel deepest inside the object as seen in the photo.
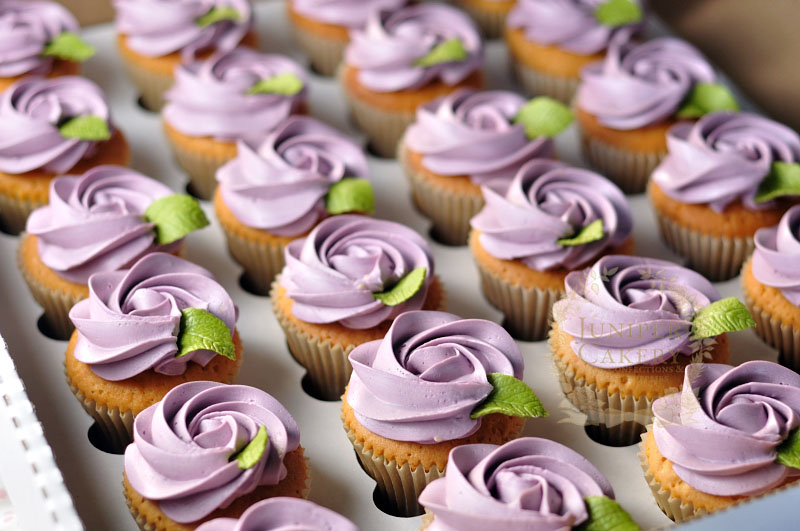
(93, 477)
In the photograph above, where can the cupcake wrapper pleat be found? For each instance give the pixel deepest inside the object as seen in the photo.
(491, 23)
(630, 170)
(538, 83)
(715, 257)
(448, 211)
(781, 336)
(621, 419)
(151, 85)
(325, 54)
(261, 261)
(201, 168)
(673, 507)
(383, 128)
(14, 213)
(528, 311)
(398, 485)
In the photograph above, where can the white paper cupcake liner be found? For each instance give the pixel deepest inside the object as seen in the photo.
(14, 213)
(491, 23)
(325, 54)
(630, 170)
(538, 83)
(151, 85)
(261, 261)
(201, 169)
(781, 336)
(449, 212)
(399, 485)
(527, 310)
(715, 257)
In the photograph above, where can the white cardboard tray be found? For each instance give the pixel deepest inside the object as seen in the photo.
(94, 477)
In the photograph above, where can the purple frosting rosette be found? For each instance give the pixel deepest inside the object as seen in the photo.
(283, 514)
(777, 255)
(348, 13)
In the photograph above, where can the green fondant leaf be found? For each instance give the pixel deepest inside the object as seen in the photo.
(407, 287)
(350, 195)
(726, 315)
(783, 179)
(254, 451)
(707, 98)
(543, 116)
(588, 234)
(202, 330)
(606, 514)
(217, 14)
(510, 397)
(616, 13)
(68, 46)
(174, 217)
(286, 84)
(449, 51)
(92, 128)
(789, 450)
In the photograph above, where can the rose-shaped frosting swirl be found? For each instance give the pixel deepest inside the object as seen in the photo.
(182, 447)
(723, 158)
(32, 109)
(471, 133)
(283, 514)
(528, 483)
(94, 222)
(26, 27)
(722, 430)
(421, 382)
(210, 97)
(568, 24)
(348, 13)
(777, 255)
(130, 322)
(627, 310)
(639, 85)
(385, 51)
(155, 28)
(332, 274)
(547, 201)
(280, 186)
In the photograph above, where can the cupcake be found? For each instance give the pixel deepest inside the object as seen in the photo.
(39, 38)
(156, 36)
(225, 98)
(49, 127)
(403, 59)
(771, 287)
(103, 220)
(144, 331)
(434, 382)
(626, 104)
(343, 285)
(322, 27)
(277, 189)
(209, 450)
(624, 333)
(282, 514)
(723, 439)
(552, 220)
(550, 41)
(525, 484)
(490, 15)
(468, 139)
(722, 181)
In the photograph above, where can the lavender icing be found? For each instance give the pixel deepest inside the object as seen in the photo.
(332, 273)
(472, 133)
(421, 382)
(283, 514)
(348, 13)
(626, 311)
(568, 24)
(130, 322)
(722, 430)
(94, 222)
(384, 51)
(26, 27)
(777, 255)
(31, 111)
(547, 201)
(155, 28)
(210, 97)
(280, 184)
(528, 483)
(640, 85)
(182, 447)
(723, 158)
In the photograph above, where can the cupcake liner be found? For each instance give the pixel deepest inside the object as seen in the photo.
(14, 213)
(201, 167)
(527, 310)
(538, 83)
(261, 261)
(115, 425)
(673, 507)
(621, 419)
(325, 54)
(327, 364)
(715, 257)
(781, 336)
(427, 520)
(399, 485)
(491, 23)
(630, 170)
(383, 128)
(151, 85)
(449, 211)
